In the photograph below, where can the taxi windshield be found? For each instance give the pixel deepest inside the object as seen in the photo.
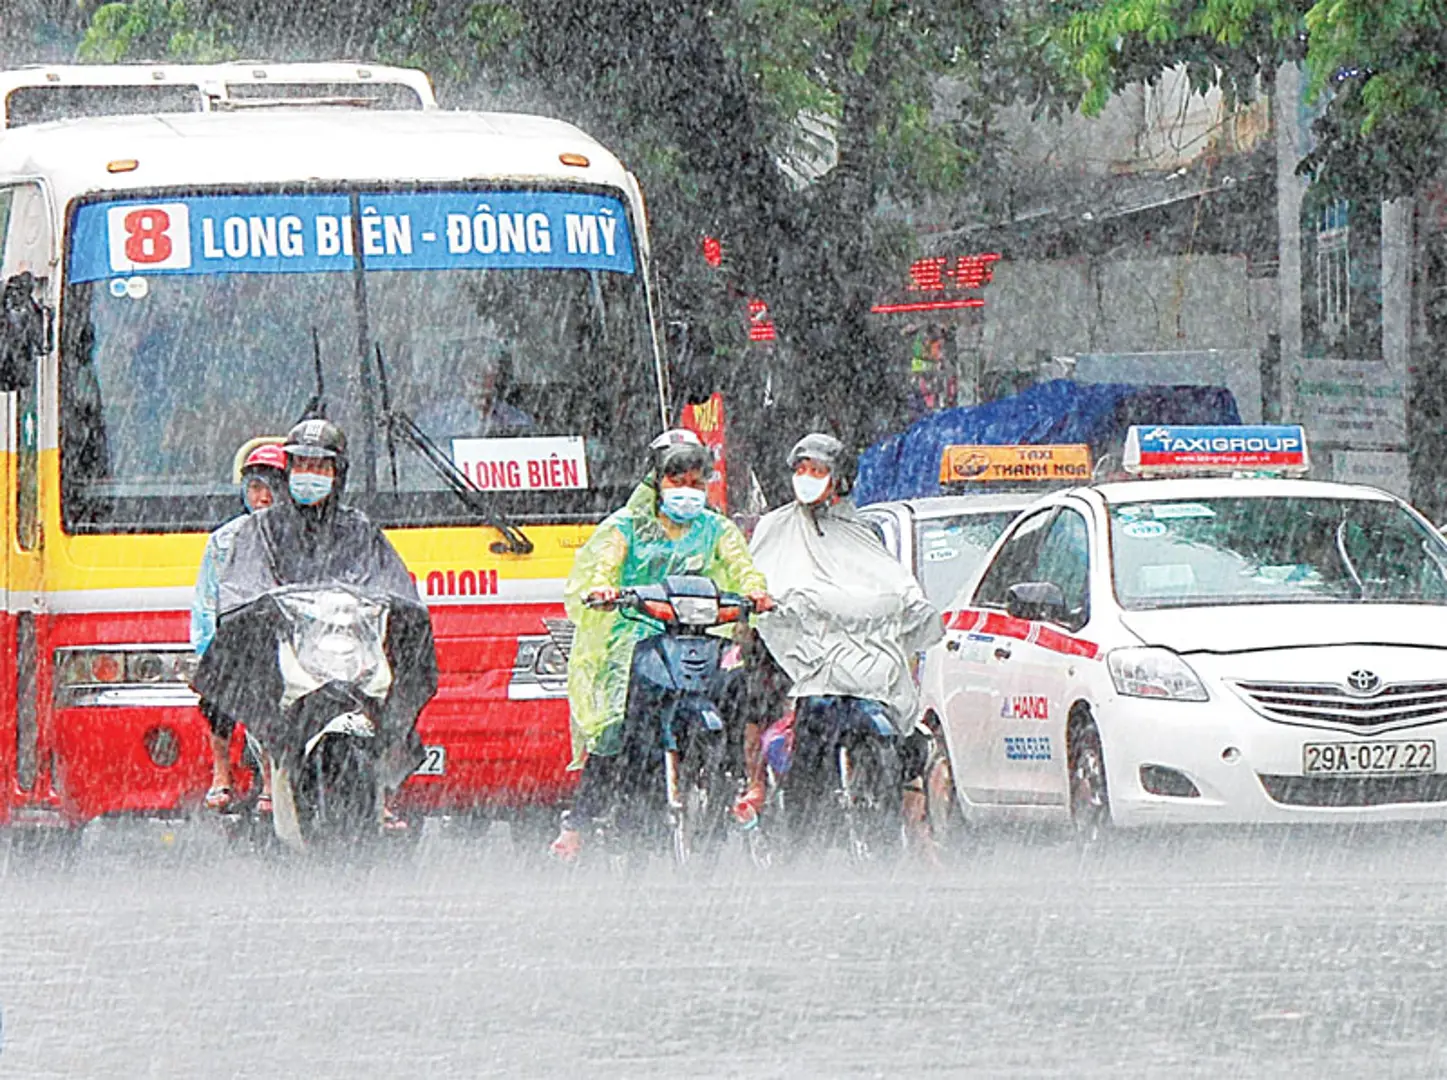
(1222, 551)
(952, 548)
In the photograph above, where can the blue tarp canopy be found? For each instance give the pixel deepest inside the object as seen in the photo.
(907, 465)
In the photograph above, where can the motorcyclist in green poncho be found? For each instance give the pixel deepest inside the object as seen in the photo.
(665, 528)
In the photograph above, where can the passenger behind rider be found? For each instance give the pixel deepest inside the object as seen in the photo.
(310, 537)
(665, 528)
(263, 479)
(850, 621)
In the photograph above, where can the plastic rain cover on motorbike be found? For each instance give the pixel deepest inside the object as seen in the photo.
(849, 616)
(240, 674)
(336, 636)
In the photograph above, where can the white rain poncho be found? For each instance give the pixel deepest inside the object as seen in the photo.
(849, 616)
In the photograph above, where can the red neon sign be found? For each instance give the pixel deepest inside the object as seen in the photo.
(937, 273)
(928, 305)
(761, 327)
(712, 251)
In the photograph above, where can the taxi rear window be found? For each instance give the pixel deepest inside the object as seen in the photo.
(1222, 551)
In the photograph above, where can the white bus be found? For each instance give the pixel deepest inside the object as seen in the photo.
(465, 293)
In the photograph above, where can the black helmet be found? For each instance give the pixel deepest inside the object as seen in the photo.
(318, 438)
(678, 451)
(828, 451)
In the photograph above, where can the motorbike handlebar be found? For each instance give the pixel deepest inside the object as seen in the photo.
(630, 599)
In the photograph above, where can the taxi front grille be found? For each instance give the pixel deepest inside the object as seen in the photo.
(1354, 790)
(1396, 704)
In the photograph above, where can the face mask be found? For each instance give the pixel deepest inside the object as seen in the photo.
(682, 503)
(809, 489)
(308, 489)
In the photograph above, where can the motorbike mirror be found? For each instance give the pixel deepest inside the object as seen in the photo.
(1035, 600)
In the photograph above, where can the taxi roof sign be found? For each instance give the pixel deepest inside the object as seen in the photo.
(1032, 464)
(1176, 448)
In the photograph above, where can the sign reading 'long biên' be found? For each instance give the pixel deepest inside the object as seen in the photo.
(436, 230)
(529, 463)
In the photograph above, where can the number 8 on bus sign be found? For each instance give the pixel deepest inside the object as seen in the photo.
(150, 237)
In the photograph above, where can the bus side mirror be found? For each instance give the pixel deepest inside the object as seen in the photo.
(22, 332)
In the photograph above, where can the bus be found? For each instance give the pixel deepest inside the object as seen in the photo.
(467, 294)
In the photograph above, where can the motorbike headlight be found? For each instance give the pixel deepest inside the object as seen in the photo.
(336, 655)
(1153, 672)
(696, 610)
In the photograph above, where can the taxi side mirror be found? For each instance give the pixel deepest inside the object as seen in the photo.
(1035, 600)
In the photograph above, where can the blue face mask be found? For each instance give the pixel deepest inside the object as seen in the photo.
(682, 503)
(307, 489)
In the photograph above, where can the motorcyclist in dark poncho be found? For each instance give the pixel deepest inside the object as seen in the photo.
(312, 538)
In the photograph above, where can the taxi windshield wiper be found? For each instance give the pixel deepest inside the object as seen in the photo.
(1351, 568)
(396, 423)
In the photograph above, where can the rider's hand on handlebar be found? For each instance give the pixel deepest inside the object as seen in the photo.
(761, 600)
(602, 596)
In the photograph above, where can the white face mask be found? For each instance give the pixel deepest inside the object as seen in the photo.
(809, 489)
(682, 504)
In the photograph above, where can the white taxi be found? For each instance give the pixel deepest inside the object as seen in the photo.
(1201, 648)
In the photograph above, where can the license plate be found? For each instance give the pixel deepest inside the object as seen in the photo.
(1363, 758)
(434, 762)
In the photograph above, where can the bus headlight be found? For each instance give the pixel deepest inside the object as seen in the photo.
(551, 662)
(124, 674)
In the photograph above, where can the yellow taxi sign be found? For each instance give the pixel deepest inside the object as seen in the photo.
(994, 464)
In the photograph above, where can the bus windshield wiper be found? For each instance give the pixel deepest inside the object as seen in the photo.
(461, 485)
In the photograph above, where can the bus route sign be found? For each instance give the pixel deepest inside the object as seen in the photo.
(278, 234)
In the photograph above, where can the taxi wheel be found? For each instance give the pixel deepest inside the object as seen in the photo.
(1089, 797)
(942, 809)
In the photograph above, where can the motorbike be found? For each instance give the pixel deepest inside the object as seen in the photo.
(833, 771)
(330, 680)
(677, 674)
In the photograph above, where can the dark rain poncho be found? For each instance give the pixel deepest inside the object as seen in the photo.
(632, 547)
(289, 545)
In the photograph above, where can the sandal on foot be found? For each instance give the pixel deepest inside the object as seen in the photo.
(567, 846)
(218, 798)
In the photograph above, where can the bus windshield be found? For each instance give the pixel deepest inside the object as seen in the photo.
(510, 326)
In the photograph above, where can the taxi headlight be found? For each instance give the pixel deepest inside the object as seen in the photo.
(1154, 673)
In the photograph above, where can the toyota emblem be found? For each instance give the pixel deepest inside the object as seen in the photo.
(1364, 682)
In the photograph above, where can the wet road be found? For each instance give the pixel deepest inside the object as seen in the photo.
(1270, 954)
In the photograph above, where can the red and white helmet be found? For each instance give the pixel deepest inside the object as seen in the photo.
(678, 451)
(265, 456)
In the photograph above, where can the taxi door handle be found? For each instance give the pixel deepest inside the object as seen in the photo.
(953, 644)
(1003, 652)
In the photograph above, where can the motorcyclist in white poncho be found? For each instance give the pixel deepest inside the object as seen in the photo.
(849, 619)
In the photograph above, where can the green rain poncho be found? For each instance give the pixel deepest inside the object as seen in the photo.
(632, 547)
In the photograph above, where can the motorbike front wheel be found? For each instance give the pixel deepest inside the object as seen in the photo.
(869, 791)
(698, 793)
(336, 793)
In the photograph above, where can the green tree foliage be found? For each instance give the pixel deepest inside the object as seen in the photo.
(153, 29)
(1379, 67)
(778, 125)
